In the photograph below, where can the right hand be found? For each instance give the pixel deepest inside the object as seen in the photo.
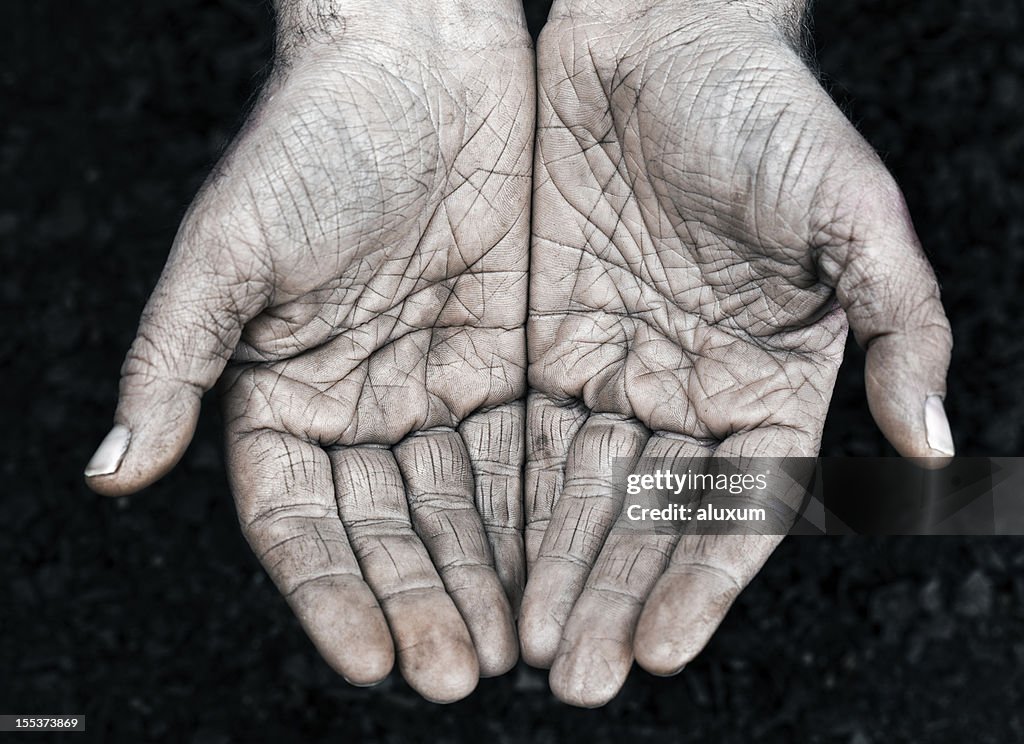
(360, 256)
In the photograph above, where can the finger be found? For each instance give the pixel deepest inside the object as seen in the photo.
(708, 571)
(550, 429)
(189, 327)
(435, 651)
(596, 652)
(284, 495)
(891, 297)
(439, 485)
(582, 517)
(494, 440)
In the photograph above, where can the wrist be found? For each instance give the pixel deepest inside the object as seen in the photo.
(790, 18)
(452, 24)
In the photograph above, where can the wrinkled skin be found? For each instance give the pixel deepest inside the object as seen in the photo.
(360, 254)
(706, 224)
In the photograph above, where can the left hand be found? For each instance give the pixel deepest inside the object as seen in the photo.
(706, 222)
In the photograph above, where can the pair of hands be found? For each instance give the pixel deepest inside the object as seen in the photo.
(414, 380)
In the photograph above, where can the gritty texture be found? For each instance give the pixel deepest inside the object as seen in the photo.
(706, 225)
(131, 611)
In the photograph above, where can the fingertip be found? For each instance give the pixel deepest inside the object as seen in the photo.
(540, 625)
(920, 432)
(348, 629)
(370, 674)
(901, 390)
(678, 620)
(591, 673)
(107, 458)
(488, 617)
(435, 650)
(538, 639)
(443, 669)
(656, 646)
(369, 667)
(365, 659)
(102, 468)
(497, 647)
(937, 431)
(550, 595)
(155, 425)
(498, 657)
(658, 655)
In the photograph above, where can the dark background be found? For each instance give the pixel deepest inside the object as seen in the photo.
(150, 616)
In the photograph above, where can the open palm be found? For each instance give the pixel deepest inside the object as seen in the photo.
(360, 255)
(705, 222)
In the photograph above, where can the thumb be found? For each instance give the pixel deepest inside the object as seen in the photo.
(890, 295)
(188, 330)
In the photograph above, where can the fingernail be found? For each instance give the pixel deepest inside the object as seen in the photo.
(936, 426)
(109, 454)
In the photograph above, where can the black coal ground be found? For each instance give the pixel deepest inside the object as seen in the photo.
(150, 615)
